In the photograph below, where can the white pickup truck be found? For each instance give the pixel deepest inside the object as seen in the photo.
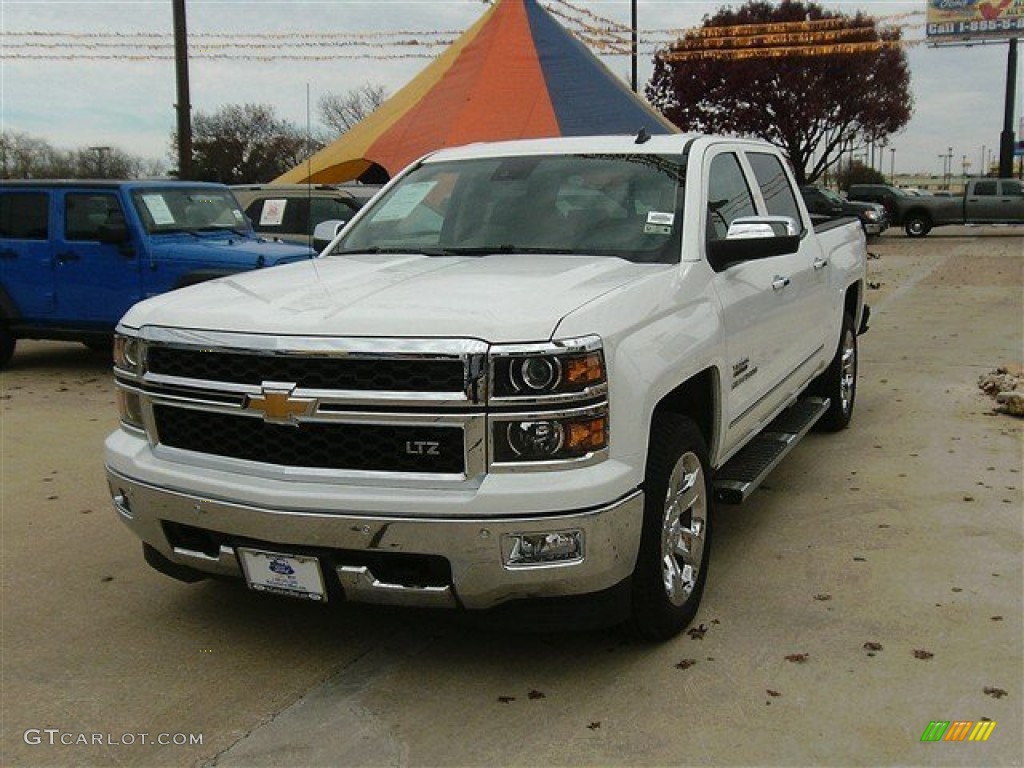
(519, 380)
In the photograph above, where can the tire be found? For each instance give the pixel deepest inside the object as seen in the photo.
(917, 225)
(105, 347)
(839, 381)
(7, 342)
(675, 544)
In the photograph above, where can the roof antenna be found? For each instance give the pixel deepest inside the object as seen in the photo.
(642, 137)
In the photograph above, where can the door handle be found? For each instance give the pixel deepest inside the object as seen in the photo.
(779, 283)
(8, 253)
(820, 264)
(64, 258)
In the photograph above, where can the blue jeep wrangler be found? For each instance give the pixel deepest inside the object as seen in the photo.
(75, 255)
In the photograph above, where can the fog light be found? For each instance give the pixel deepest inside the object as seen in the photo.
(122, 504)
(551, 548)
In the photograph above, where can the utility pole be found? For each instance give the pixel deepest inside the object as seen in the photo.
(184, 105)
(1006, 137)
(633, 46)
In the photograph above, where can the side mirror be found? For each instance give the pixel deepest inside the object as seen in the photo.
(325, 232)
(755, 237)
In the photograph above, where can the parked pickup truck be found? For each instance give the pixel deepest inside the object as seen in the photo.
(825, 204)
(75, 255)
(518, 380)
(985, 201)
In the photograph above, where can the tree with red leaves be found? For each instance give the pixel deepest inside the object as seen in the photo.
(847, 88)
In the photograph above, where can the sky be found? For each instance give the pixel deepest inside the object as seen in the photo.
(128, 101)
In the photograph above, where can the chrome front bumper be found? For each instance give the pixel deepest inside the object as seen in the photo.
(476, 549)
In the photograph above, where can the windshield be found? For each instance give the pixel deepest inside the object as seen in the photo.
(627, 206)
(188, 209)
(832, 197)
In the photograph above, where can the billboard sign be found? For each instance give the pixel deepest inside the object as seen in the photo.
(953, 20)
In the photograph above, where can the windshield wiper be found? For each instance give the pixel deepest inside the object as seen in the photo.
(488, 250)
(505, 248)
(380, 249)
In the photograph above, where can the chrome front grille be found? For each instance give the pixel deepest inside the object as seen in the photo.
(359, 408)
(361, 374)
(320, 445)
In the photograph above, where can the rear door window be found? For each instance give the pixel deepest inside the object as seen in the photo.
(88, 214)
(25, 215)
(776, 190)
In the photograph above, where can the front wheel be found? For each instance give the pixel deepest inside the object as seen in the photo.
(917, 225)
(839, 381)
(672, 564)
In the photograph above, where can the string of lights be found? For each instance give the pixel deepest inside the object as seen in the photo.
(610, 24)
(216, 56)
(596, 37)
(775, 39)
(605, 36)
(201, 47)
(780, 51)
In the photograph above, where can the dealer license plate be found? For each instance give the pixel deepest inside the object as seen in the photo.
(291, 575)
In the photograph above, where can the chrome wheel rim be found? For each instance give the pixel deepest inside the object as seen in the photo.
(848, 371)
(684, 529)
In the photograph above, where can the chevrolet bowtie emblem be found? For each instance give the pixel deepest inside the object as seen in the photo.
(278, 406)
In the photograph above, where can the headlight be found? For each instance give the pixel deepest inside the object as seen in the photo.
(871, 215)
(551, 404)
(129, 406)
(128, 363)
(550, 437)
(128, 353)
(564, 368)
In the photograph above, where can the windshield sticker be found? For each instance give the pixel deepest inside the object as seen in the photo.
(657, 217)
(273, 213)
(157, 207)
(403, 201)
(657, 229)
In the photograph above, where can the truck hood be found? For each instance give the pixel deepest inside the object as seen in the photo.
(226, 250)
(497, 298)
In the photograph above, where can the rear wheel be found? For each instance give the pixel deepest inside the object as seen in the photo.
(917, 225)
(675, 543)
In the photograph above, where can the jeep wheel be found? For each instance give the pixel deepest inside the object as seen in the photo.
(7, 342)
(839, 381)
(917, 225)
(675, 543)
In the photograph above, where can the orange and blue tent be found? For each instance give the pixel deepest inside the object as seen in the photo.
(516, 73)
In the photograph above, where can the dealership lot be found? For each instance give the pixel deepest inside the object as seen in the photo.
(873, 587)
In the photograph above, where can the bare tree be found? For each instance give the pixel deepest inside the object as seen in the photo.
(341, 111)
(23, 156)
